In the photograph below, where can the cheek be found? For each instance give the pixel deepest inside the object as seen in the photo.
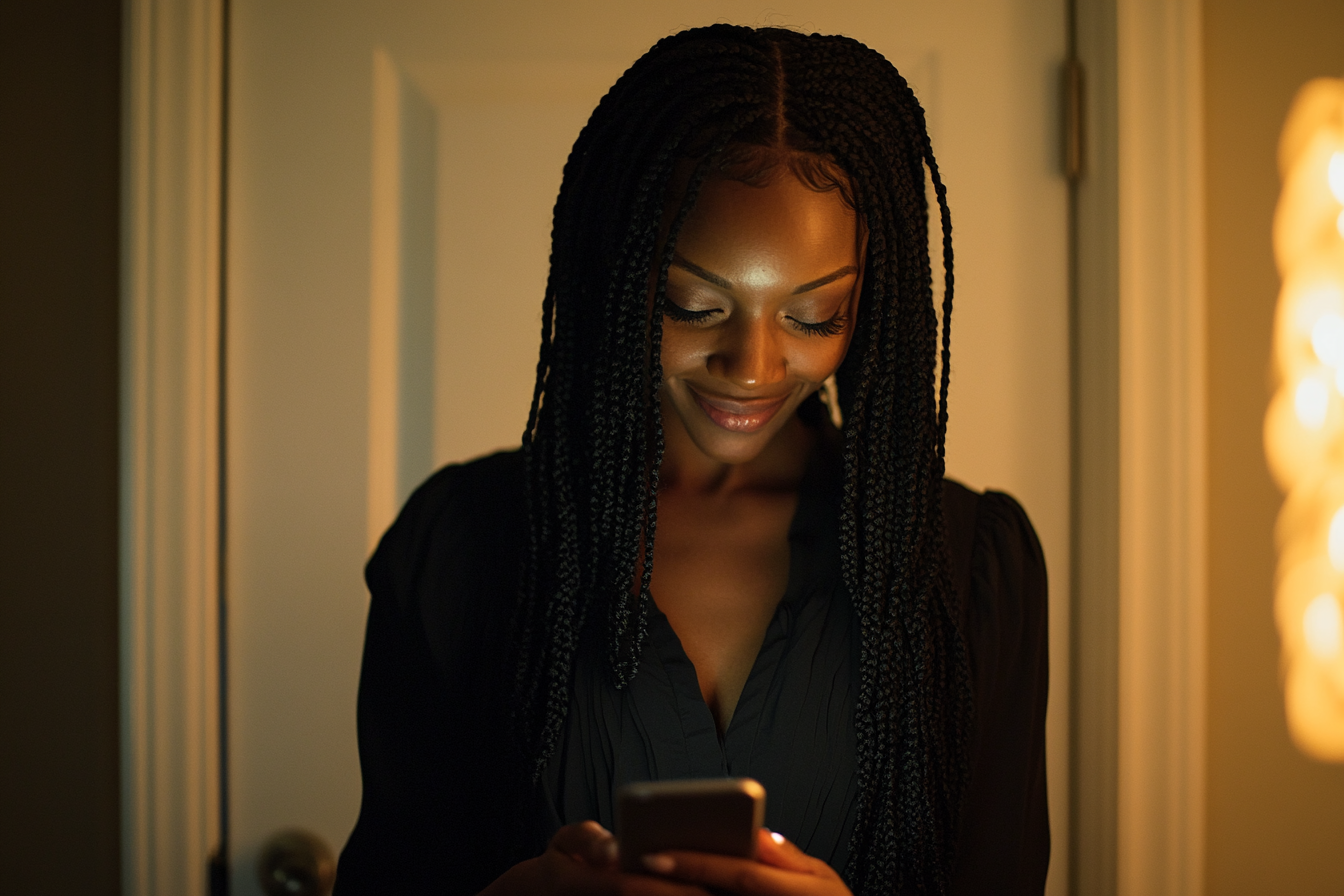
(680, 351)
(816, 358)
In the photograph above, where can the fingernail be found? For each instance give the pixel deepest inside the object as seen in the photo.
(609, 850)
(659, 863)
(778, 838)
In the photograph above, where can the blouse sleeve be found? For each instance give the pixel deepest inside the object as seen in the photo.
(1004, 844)
(430, 731)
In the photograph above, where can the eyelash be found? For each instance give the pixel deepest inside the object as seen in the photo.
(833, 327)
(685, 315)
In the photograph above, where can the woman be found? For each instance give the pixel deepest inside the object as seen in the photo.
(741, 225)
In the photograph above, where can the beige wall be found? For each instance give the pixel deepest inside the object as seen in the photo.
(1275, 818)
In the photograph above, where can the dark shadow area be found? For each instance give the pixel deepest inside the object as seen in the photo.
(60, 160)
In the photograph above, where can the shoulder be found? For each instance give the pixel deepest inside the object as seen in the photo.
(970, 514)
(989, 528)
(487, 485)
(999, 573)
(432, 719)
(998, 569)
(453, 555)
(459, 503)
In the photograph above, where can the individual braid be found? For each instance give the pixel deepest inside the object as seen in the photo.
(840, 117)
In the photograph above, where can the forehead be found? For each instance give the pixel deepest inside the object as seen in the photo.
(808, 228)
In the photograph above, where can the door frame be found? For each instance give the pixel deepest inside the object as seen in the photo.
(1139, 496)
(171, 549)
(1137, 739)
(1162, 519)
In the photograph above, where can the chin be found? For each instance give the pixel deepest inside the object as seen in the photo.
(732, 449)
(728, 447)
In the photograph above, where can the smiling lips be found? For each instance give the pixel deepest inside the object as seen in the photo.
(740, 415)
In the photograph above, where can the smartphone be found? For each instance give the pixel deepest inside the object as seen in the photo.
(718, 815)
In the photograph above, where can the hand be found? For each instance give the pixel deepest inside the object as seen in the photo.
(582, 860)
(780, 869)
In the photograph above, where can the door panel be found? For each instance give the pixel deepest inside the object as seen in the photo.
(392, 169)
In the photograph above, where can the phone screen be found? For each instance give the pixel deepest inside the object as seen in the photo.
(718, 815)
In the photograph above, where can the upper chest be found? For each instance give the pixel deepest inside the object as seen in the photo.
(722, 558)
(792, 725)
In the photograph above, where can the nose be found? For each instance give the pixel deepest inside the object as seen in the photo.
(749, 356)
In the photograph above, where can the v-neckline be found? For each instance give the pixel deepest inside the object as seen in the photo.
(698, 722)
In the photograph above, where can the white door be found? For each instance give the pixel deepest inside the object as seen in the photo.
(392, 168)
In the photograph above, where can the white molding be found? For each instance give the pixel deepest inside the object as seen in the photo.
(1162, 435)
(169, 462)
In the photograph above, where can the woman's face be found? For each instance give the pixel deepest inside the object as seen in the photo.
(762, 297)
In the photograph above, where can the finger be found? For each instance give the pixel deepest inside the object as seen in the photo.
(557, 872)
(742, 876)
(774, 849)
(588, 842)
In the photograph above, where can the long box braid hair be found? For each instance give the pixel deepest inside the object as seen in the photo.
(594, 438)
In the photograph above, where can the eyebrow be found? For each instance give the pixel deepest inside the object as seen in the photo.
(701, 272)
(711, 277)
(829, 278)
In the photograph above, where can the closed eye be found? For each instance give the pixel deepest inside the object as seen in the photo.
(685, 315)
(833, 327)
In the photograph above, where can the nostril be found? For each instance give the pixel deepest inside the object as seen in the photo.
(750, 361)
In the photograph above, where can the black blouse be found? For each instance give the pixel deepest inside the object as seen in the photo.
(435, 816)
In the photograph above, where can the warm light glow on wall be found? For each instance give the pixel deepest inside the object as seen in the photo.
(1304, 427)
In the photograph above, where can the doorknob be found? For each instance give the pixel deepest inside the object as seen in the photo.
(296, 862)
